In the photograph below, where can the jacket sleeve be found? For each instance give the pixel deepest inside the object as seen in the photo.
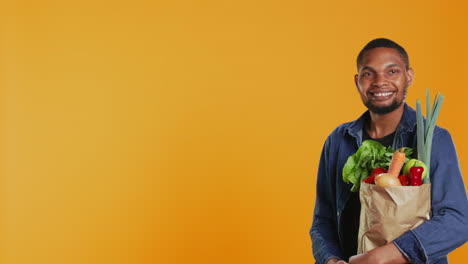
(324, 231)
(448, 227)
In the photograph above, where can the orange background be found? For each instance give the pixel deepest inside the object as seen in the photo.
(190, 131)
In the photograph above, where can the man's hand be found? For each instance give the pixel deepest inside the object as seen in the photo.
(363, 259)
(336, 261)
(388, 254)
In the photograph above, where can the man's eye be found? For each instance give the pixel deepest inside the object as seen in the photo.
(366, 74)
(393, 71)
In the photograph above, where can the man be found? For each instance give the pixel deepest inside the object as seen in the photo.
(384, 75)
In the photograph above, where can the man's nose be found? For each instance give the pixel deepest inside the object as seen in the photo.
(380, 80)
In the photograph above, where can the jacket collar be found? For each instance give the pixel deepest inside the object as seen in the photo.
(407, 122)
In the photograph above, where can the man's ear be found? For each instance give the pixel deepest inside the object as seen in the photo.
(410, 74)
(356, 81)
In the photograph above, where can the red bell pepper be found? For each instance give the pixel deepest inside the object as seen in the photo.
(416, 176)
(404, 179)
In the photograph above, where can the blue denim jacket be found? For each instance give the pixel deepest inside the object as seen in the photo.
(428, 243)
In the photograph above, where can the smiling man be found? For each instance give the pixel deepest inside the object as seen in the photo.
(384, 75)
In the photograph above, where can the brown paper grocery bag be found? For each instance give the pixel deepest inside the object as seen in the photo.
(388, 212)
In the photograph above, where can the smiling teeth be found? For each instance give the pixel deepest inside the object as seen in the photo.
(383, 94)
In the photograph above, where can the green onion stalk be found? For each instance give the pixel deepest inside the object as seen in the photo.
(425, 132)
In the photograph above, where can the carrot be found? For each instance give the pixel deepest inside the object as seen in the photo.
(397, 162)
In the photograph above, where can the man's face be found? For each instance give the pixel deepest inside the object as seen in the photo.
(382, 80)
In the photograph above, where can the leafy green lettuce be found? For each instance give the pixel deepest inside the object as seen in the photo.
(370, 155)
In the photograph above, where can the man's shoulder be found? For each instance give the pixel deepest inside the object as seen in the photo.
(442, 136)
(342, 129)
(440, 131)
(341, 133)
(351, 128)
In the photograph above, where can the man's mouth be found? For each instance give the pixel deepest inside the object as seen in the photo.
(381, 96)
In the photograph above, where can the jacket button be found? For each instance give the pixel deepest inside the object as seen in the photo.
(338, 213)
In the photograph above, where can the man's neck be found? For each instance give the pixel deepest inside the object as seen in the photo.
(383, 125)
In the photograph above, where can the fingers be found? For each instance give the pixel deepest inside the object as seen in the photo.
(342, 262)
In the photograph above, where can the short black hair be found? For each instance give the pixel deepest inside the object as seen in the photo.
(383, 43)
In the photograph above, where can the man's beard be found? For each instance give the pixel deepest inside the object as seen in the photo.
(385, 109)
